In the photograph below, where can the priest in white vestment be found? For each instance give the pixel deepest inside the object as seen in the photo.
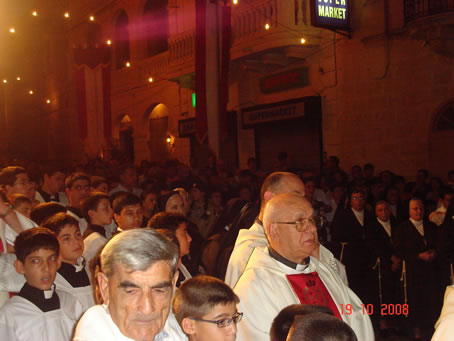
(276, 183)
(284, 273)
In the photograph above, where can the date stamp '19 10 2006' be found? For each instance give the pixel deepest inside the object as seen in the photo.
(385, 309)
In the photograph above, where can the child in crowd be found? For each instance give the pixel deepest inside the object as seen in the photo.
(128, 212)
(98, 212)
(73, 275)
(205, 308)
(22, 204)
(177, 224)
(39, 312)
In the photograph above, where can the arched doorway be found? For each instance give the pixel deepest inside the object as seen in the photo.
(158, 131)
(441, 153)
(127, 138)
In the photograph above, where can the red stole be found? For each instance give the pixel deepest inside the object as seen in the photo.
(310, 290)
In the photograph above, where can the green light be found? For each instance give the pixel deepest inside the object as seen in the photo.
(193, 99)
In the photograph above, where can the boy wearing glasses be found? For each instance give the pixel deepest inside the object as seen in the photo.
(205, 308)
(77, 189)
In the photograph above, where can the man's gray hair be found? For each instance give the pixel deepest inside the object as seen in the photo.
(137, 250)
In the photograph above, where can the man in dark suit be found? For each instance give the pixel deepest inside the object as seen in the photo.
(386, 263)
(415, 242)
(349, 236)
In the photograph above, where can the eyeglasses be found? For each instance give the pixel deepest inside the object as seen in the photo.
(304, 223)
(223, 322)
(358, 198)
(81, 187)
(23, 183)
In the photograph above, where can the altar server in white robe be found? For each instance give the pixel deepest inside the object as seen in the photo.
(276, 183)
(74, 275)
(39, 312)
(284, 273)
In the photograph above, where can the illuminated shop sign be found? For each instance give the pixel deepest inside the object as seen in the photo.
(331, 14)
(296, 78)
(273, 112)
(186, 127)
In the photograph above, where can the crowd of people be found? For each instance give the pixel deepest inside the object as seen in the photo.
(108, 250)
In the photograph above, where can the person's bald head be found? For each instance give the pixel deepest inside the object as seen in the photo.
(285, 238)
(280, 183)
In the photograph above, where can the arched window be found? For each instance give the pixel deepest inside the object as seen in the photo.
(156, 26)
(121, 40)
(445, 118)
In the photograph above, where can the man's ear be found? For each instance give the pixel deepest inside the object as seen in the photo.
(272, 231)
(103, 283)
(59, 260)
(188, 326)
(116, 218)
(91, 213)
(19, 266)
(175, 279)
(267, 196)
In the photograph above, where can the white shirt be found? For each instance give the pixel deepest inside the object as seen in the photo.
(386, 226)
(21, 320)
(121, 188)
(419, 226)
(96, 325)
(10, 234)
(438, 216)
(359, 216)
(82, 222)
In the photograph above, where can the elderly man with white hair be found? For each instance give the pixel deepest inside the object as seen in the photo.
(285, 273)
(139, 273)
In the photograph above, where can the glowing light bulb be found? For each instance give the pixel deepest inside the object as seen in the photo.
(5, 81)
(35, 14)
(128, 64)
(303, 41)
(109, 42)
(267, 26)
(18, 78)
(235, 2)
(168, 140)
(92, 18)
(150, 79)
(66, 15)
(48, 101)
(12, 30)
(30, 92)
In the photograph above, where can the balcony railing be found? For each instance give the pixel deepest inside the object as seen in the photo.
(415, 9)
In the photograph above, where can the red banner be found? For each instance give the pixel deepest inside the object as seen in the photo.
(81, 101)
(106, 102)
(224, 68)
(200, 70)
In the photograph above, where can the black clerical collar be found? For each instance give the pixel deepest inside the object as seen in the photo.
(75, 210)
(77, 278)
(285, 261)
(91, 228)
(38, 297)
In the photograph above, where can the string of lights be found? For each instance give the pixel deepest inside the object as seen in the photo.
(303, 39)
